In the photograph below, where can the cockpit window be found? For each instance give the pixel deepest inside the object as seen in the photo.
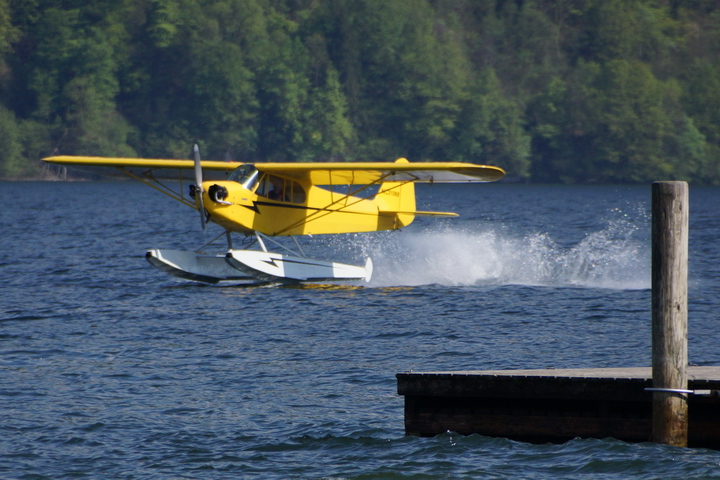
(246, 175)
(281, 189)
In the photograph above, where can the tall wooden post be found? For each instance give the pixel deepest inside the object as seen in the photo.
(669, 312)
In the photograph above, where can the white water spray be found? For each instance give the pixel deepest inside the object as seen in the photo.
(611, 258)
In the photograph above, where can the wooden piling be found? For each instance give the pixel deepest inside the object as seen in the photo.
(669, 312)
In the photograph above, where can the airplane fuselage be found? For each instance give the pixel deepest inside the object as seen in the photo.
(250, 201)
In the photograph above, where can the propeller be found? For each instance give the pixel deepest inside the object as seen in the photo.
(198, 185)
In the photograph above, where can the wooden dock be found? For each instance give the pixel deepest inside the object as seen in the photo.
(553, 405)
(668, 402)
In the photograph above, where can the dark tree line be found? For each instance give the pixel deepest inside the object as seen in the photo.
(550, 90)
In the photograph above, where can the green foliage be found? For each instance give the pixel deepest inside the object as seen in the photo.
(8, 32)
(567, 90)
(329, 133)
(162, 22)
(93, 124)
(491, 130)
(11, 164)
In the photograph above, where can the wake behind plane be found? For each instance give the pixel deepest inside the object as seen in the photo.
(265, 201)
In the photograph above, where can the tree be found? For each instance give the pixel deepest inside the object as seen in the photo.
(603, 90)
(626, 30)
(92, 123)
(405, 75)
(11, 161)
(8, 32)
(329, 133)
(221, 105)
(551, 126)
(614, 122)
(490, 129)
(283, 90)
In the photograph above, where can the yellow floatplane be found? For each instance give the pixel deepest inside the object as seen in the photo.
(265, 200)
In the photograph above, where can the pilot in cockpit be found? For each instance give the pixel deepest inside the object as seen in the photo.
(277, 192)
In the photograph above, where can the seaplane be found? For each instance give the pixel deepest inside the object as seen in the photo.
(264, 202)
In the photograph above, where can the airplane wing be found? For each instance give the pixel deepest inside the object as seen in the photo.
(362, 173)
(138, 163)
(144, 170)
(318, 173)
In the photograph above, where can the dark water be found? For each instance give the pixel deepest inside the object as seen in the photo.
(111, 369)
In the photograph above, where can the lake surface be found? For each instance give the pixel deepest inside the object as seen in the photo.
(112, 369)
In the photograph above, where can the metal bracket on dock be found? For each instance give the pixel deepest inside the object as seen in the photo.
(706, 393)
(669, 390)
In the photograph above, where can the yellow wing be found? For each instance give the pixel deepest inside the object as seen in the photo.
(361, 173)
(138, 163)
(144, 170)
(331, 173)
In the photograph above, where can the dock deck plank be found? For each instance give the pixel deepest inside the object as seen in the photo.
(642, 373)
(552, 405)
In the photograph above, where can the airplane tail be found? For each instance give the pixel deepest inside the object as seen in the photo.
(396, 203)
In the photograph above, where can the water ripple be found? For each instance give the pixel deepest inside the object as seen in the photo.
(112, 370)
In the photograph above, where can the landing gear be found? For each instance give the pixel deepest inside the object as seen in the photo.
(254, 266)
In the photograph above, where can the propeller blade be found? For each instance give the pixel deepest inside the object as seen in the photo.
(198, 185)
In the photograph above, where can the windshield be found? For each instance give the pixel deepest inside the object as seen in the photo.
(246, 175)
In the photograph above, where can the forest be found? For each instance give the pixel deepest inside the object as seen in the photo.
(568, 91)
